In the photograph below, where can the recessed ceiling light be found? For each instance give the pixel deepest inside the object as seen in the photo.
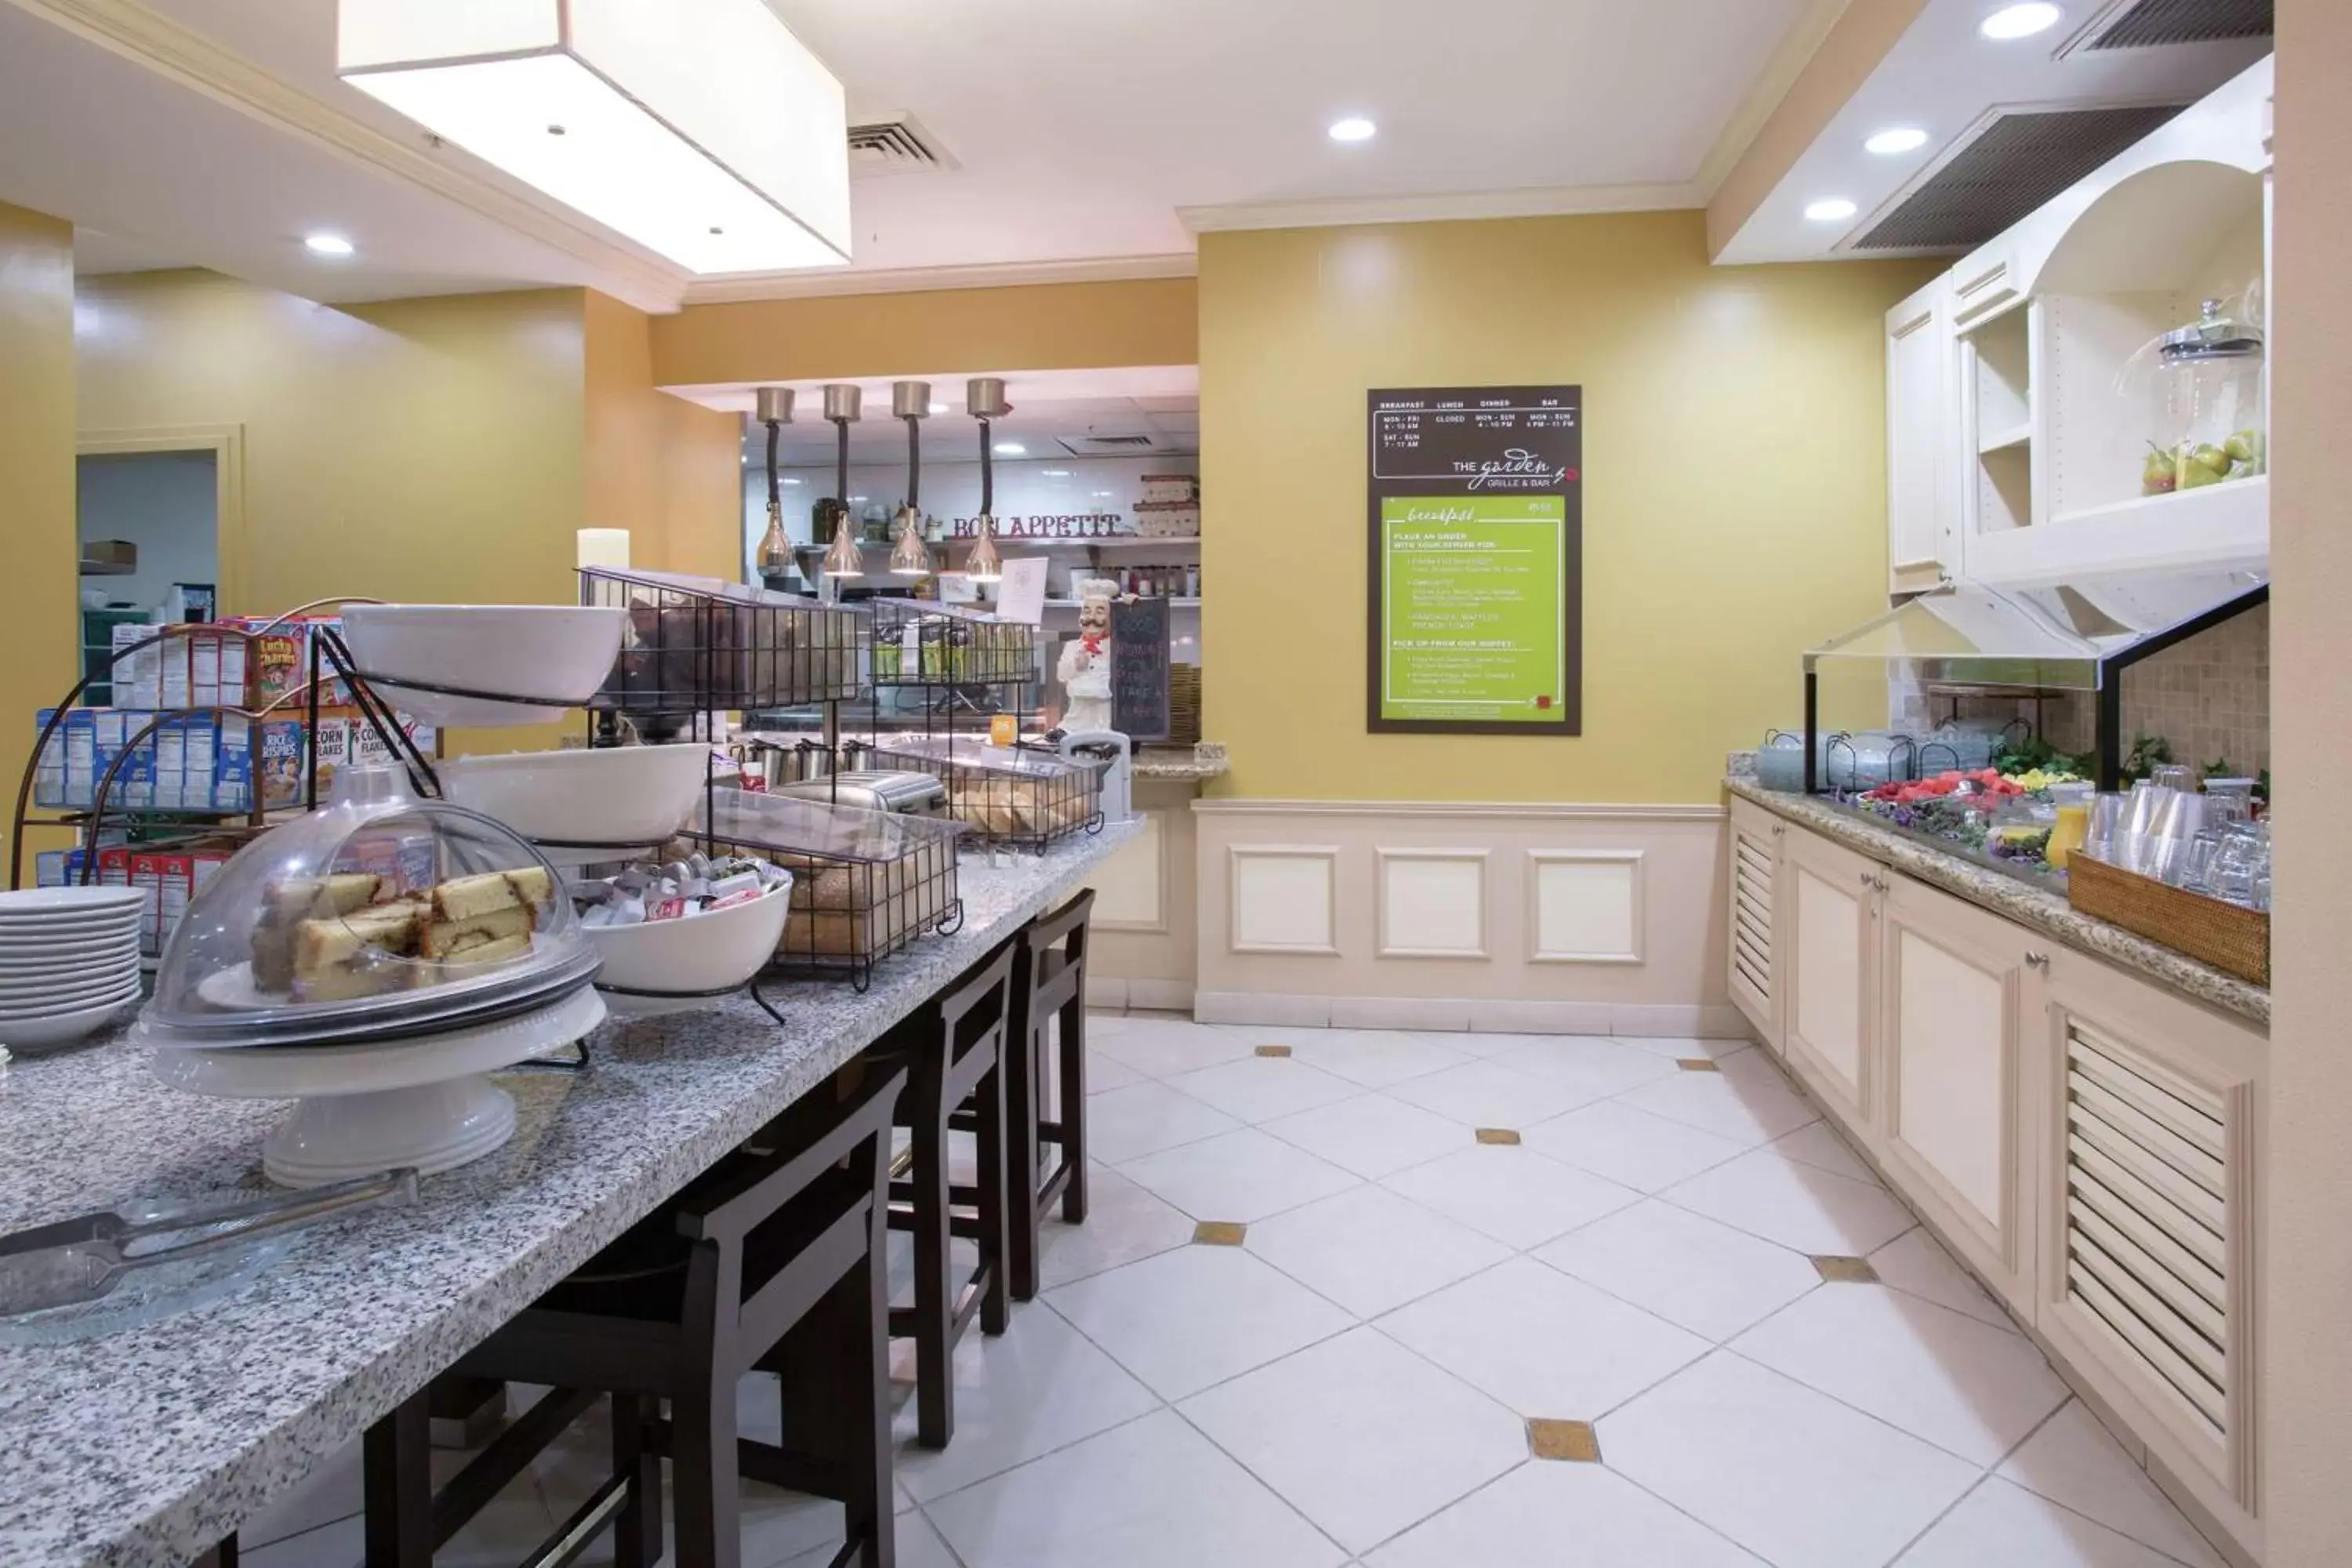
(1054, 473)
(1355, 128)
(1897, 139)
(938, 409)
(1833, 209)
(2022, 21)
(1011, 449)
(329, 244)
(790, 481)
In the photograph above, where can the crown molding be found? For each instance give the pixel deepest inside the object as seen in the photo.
(183, 56)
(1536, 201)
(931, 279)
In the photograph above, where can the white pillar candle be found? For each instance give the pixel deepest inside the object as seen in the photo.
(604, 547)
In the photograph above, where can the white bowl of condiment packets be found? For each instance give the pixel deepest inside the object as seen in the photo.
(691, 927)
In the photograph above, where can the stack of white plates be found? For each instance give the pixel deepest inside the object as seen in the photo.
(68, 961)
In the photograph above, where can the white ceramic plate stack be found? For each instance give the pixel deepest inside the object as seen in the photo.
(68, 961)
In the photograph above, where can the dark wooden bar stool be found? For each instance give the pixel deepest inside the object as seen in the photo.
(952, 1051)
(776, 1259)
(1049, 985)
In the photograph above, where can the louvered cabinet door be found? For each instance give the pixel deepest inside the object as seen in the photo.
(2150, 1265)
(1755, 871)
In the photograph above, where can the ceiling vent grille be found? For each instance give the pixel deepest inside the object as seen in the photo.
(2020, 162)
(1106, 446)
(2150, 23)
(898, 146)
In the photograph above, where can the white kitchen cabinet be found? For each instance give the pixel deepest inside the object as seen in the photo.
(1954, 1000)
(2149, 1213)
(2015, 438)
(1922, 480)
(1753, 880)
(1827, 919)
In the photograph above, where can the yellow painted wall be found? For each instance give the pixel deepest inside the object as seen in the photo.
(1734, 489)
(1057, 326)
(666, 470)
(420, 449)
(38, 542)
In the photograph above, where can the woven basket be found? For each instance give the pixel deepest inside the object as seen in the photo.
(1183, 704)
(2232, 938)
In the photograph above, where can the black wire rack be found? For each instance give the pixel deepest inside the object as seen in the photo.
(865, 883)
(1016, 797)
(699, 646)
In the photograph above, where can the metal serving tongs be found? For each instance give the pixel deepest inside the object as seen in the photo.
(80, 1260)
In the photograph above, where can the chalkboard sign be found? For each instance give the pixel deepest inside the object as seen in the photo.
(1476, 530)
(1138, 669)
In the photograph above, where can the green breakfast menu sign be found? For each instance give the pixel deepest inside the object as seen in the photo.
(1475, 622)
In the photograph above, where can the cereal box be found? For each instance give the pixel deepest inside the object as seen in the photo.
(138, 679)
(170, 784)
(203, 668)
(175, 673)
(280, 661)
(281, 764)
(49, 778)
(177, 883)
(147, 876)
(234, 685)
(203, 746)
(233, 764)
(80, 732)
(330, 748)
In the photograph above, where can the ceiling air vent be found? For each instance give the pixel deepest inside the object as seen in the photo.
(2145, 24)
(1108, 446)
(896, 146)
(2020, 162)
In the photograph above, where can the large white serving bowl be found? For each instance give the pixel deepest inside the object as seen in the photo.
(561, 653)
(714, 951)
(627, 795)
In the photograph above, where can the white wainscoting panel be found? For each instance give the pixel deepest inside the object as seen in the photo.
(1584, 906)
(1285, 897)
(1432, 902)
(1131, 889)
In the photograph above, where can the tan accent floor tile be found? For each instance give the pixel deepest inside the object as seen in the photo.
(1218, 1233)
(1697, 1063)
(1274, 1050)
(1846, 1270)
(1503, 1135)
(1573, 1441)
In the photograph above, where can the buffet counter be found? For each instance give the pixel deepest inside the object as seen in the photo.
(1147, 910)
(2039, 908)
(150, 1445)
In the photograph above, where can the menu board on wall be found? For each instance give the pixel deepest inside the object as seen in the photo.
(1139, 668)
(1477, 556)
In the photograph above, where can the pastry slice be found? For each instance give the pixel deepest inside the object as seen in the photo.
(461, 941)
(495, 951)
(338, 958)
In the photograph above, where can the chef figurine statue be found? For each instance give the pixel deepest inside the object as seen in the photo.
(1085, 669)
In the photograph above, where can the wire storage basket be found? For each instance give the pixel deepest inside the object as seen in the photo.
(697, 644)
(865, 883)
(923, 643)
(1008, 796)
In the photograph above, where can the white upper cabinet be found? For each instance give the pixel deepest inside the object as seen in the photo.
(2045, 417)
(1923, 540)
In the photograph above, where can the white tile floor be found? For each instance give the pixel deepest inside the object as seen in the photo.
(1351, 1384)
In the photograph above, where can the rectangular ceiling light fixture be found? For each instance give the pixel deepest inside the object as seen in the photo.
(704, 132)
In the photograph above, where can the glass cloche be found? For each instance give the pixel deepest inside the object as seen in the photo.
(2200, 388)
(381, 915)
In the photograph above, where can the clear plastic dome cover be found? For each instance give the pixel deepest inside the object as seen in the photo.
(369, 908)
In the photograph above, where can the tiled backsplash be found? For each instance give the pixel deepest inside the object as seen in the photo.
(2211, 697)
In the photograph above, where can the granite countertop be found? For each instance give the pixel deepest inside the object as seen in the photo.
(2039, 908)
(148, 1446)
(1182, 764)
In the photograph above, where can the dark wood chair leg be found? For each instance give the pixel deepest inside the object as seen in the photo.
(861, 1309)
(934, 1302)
(1072, 1111)
(1025, 1086)
(995, 1207)
(706, 1493)
(397, 1464)
(222, 1555)
(637, 1528)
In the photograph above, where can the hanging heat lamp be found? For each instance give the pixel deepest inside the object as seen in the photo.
(842, 557)
(910, 401)
(775, 554)
(984, 399)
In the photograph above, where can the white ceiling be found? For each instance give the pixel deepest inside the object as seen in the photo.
(1082, 129)
(1943, 77)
